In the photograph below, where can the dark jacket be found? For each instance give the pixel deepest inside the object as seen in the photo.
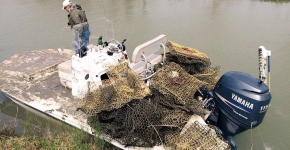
(76, 15)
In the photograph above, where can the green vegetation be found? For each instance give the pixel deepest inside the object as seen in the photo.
(35, 136)
(276, 1)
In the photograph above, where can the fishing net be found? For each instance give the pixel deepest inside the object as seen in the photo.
(126, 87)
(137, 115)
(175, 83)
(193, 62)
(133, 124)
(196, 137)
(187, 55)
(209, 75)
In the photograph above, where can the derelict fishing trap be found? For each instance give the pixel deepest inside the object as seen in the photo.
(137, 115)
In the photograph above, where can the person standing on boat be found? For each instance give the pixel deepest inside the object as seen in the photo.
(78, 22)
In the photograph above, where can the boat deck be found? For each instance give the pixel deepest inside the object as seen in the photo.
(21, 75)
(31, 79)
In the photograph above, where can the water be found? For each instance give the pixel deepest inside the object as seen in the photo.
(228, 31)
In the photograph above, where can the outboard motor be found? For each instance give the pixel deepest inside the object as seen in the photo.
(239, 102)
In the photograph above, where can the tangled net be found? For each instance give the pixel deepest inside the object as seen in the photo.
(136, 115)
(175, 83)
(197, 136)
(126, 87)
(187, 55)
(193, 62)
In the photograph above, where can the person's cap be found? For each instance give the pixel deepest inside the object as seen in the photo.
(65, 3)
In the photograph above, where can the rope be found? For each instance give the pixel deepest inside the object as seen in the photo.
(262, 138)
(251, 136)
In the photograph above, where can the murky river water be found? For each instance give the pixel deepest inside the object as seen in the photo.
(228, 31)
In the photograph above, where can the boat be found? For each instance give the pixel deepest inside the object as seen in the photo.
(166, 97)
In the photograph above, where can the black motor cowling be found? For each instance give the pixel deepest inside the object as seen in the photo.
(241, 103)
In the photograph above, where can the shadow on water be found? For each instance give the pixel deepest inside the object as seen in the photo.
(12, 113)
